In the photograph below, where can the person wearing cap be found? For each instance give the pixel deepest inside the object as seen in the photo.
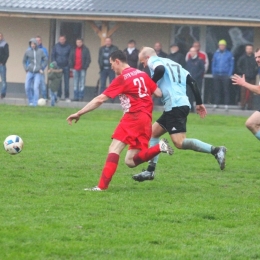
(222, 69)
(176, 55)
(54, 77)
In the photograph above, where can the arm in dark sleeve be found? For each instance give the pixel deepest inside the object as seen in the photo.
(158, 73)
(193, 85)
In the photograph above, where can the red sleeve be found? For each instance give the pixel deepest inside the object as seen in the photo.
(115, 88)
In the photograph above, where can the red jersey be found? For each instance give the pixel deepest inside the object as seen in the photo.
(134, 88)
(78, 59)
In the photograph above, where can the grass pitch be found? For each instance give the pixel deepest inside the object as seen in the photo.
(192, 210)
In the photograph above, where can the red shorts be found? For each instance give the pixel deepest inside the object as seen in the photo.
(134, 129)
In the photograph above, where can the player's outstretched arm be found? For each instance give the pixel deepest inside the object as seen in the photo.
(93, 104)
(241, 81)
(200, 108)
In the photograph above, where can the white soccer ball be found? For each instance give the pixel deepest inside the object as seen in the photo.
(41, 102)
(13, 144)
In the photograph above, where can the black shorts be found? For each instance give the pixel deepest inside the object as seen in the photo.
(174, 121)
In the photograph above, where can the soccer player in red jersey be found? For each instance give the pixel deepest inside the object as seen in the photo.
(135, 89)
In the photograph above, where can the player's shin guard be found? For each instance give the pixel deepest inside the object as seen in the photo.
(196, 145)
(108, 170)
(146, 155)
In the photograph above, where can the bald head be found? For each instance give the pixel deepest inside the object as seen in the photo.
(145, 54)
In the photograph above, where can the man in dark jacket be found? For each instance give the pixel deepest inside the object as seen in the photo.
(195, 66)
(79, 61)
(176, 55)
(247, 65)
(158, 50)
(131, 54)
(60, 54)
(34, 62)
(4, 54)
(104, 64)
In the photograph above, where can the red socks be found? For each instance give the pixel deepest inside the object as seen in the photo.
(146, 155)
(108, 170)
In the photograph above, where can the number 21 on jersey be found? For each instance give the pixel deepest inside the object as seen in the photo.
(142, 89)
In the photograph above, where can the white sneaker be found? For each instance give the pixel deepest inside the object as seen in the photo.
(226, 107)
(67, 100)
(96, 188)
(165, 147)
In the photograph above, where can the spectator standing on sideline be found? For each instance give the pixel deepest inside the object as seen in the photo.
(104, 64)
(222, 69)
(158, 50)
(34, 61)
(79, 61)
(195, 66)
(202, 55)
(176, 55)
(247, 66)
(42, 82)
(131, 54)
(60, 54)
(54, 76)
(4, 55)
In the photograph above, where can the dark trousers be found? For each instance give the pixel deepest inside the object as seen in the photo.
(66, 75)
(246, 96)
(221, 85)
(104, 74)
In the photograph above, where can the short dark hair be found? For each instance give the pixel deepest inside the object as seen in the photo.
(120, 55)
(249, 44)
(63, 35)
(257, 49)
(132, 41)
(79, 39)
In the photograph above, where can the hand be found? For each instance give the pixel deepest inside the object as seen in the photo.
(41, 71)
(237, 80)
(73, 117)
(201, 110)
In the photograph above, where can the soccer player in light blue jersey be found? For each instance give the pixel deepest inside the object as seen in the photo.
(172, 79)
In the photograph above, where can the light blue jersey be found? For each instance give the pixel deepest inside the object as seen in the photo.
(172, 84)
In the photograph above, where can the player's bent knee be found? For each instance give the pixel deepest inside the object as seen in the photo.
(130, 163)
(249, 124)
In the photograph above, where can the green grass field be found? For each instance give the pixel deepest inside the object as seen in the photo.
(192, 210)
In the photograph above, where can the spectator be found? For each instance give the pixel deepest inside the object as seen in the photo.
(222, 69)
(60, 54)
(176, 55)
(131, 54)
(42, 82)
(104, 64)
(247, 65)
(158, 50)
(195, 66)
(202, 55)
(34, 61)
(54, 77)
(79, 61)
(4, 55)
